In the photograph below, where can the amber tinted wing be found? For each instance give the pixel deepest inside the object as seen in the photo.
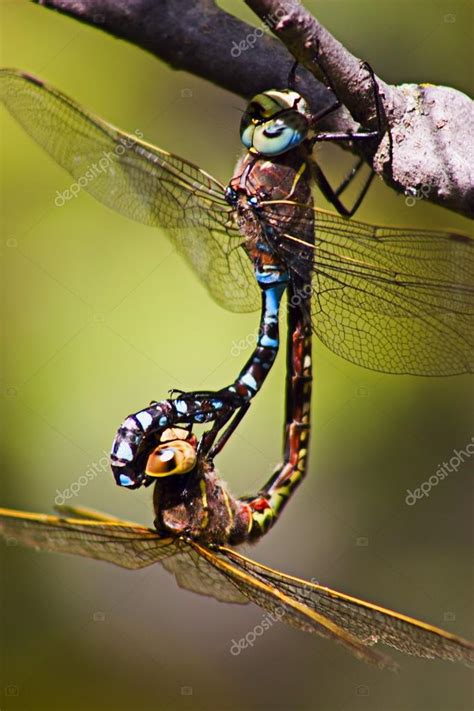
(140, 181)
(393, 300)
(193, 572)
(128, 545)
(103, 537)
(365, 621)
(286, 607)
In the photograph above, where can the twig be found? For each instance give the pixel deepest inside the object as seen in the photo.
(198, 37)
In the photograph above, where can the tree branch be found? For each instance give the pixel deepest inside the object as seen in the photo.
(430, 126)
(198, 37)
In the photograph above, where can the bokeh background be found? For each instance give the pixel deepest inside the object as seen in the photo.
(100, 315)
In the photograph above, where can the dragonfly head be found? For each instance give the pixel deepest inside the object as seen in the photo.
(172, 451)
(274, 122)
(176, 454)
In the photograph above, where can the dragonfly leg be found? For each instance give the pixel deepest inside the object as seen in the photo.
(320, 114)
(323, 112)
(349, 177)
(219, 445)
(331, 194)
(382, 123)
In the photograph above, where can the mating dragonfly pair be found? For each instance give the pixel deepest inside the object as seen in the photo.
(398, 301)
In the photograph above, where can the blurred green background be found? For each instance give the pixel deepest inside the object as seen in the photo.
(100, 315)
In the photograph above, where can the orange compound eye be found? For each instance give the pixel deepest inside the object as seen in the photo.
(174, 457)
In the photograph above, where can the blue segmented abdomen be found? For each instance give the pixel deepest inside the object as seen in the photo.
(130, 436)
(159, 416)
(273, 282)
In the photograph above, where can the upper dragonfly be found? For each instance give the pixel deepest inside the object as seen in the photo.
(393, 300)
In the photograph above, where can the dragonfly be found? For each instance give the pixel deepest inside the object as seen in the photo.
(198, 522)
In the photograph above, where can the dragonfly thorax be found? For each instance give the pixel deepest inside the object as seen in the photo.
(274, 122)
(272, 198)
(199, 506)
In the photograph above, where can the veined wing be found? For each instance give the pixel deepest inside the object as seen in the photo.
(193, 572)
(393, 300)
(93, 534)
(140, 181)
(365, 621)
(125, 544)
(286, 607)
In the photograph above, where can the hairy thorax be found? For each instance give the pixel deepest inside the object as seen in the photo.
(199, 505)
(274, 200)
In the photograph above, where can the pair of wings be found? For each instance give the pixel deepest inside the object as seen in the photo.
(230, 577)
(393, 300)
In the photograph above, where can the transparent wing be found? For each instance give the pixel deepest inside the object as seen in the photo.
(398, 301)
(140, 181)
(102, 537)
(366, 622)
(393, 300)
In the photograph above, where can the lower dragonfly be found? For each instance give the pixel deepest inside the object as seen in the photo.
(197, 519)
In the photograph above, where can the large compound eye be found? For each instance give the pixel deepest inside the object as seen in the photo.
(258, 110)
(274, 122)
(280, 134)
(173, 457)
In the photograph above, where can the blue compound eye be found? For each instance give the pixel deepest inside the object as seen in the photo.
(281, 134)
(258, 110)
(246, 135)
(274, 122)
